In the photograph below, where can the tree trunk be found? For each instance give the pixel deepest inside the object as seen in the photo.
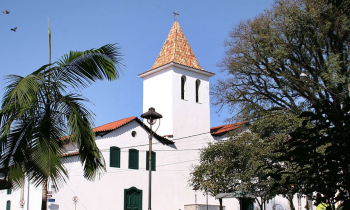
(260, 204)
(44, 195)
(290, 199)
(220, 201)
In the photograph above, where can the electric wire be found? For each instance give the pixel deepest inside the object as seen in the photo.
(63, 200)
(140, 145)
(140, 169)
(76, 195)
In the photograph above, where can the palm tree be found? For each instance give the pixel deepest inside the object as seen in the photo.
(42, 112)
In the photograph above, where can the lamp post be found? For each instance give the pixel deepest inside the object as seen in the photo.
(304, 77)
(151, 117)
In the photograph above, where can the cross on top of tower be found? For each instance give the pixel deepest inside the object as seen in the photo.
(175, 15)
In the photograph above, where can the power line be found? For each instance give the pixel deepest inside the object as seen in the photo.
(140, 145)
(177, 162)
(182, 138)
(165, 150)
(190, 136)
(63, 200)
(75, 195)
(132, 170)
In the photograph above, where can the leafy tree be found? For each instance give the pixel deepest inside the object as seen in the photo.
(324, 147)
(273, 132)
(42, 108)
(247, 163)
(266, 60)
(217, 172)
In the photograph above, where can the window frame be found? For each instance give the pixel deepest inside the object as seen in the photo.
(114, 161)
(198, 91)
(133, 159)
(8, 205)
(183, 87)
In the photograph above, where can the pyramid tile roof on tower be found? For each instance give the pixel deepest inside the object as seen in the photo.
(177, 50)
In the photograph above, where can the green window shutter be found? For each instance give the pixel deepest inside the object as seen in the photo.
(133, 159)
(114, 157)
(153, 164)
(8, 205)
(9, 191)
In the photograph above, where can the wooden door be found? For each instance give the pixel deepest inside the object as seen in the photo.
(132, 199)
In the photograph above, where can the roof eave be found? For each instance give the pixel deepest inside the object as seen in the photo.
(219, 134)
(152, 71)
(159, 138)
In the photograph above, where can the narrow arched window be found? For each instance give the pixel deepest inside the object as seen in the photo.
(198, 83)
(183, 87)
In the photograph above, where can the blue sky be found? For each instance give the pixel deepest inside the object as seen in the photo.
(140, 28)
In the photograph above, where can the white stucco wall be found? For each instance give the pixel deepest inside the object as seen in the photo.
(181, 117)
(157, 89)
(170, 188)
(190, 117)
(169, 182)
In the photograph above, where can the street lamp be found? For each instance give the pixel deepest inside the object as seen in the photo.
(151, 117)
(304, 77)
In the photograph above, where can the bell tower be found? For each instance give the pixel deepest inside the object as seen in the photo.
(178, 88)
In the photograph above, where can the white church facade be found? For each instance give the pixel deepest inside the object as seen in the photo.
(178, 88)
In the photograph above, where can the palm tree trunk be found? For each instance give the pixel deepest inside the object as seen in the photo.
(44, 195)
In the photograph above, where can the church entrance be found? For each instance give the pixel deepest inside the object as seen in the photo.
(132, 199)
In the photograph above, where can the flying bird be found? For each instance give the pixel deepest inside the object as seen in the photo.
(6, 12)
(14, 29)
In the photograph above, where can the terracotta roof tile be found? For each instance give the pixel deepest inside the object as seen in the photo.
(106, 128)
(103, 129)
(70, 154)
(176, 49)
(113, 125)
(222, 129)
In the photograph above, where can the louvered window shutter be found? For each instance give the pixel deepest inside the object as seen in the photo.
(114, 157)
(133, 159)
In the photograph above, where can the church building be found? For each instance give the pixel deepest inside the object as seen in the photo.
(178, 88)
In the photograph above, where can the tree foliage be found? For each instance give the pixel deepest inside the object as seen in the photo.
(239, 164)
(266, 56)
(324, 147)
(42, 112)
(266, 60)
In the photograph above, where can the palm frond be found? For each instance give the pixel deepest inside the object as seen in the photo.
(79, 131)
(39, 109)
(82, 68)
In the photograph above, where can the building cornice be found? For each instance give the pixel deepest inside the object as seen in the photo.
(152, 71)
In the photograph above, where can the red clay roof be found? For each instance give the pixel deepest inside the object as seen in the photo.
(176, 49)
(113, 125)
(70, 154)
(117, 124)
(222, 129)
